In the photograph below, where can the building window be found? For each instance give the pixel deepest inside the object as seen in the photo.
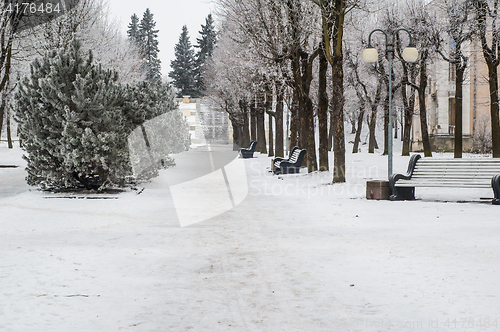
(192, 128)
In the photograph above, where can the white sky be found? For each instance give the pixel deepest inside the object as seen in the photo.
(170, 16)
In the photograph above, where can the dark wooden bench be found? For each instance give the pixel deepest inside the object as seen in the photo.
(248, 153)
(290, 165)
(453, 173)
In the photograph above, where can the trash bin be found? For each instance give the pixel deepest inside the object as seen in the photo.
(378, 189)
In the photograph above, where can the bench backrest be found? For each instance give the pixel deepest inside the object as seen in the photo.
(297, 157)
(302, 154)
(252, 146)
(294, 156)
(293, 150)
(456, 172)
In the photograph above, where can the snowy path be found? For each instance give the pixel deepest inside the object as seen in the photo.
(282, 260)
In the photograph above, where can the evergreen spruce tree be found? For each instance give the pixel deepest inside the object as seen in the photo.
(148, 39)
(133, 32)
(206, 45)
(183, 67)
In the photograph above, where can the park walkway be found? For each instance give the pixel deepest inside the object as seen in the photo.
(290, 256)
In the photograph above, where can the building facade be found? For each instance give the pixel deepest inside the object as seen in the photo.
(205, 124)
(440, 99)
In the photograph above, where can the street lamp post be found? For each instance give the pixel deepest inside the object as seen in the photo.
(370, 54)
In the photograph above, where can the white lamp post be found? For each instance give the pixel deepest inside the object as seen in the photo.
(370, 54)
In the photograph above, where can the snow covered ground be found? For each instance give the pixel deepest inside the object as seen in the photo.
(296, 254)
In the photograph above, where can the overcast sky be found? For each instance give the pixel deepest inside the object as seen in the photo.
(170, 16)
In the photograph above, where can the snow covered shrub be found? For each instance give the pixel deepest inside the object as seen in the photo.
(481, 141)
(75, 119)
(151, 144)
(167, 132)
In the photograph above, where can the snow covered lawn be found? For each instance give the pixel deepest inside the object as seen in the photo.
(295, 255)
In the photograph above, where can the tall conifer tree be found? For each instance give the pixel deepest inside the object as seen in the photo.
(205, 47)
(183, 67)
(133, 31)
(149, 49)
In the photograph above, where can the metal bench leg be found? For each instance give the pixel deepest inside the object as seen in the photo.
(495, 184)
(403, 194)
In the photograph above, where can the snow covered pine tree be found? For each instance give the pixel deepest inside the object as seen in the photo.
(75, 121)
(71, 122)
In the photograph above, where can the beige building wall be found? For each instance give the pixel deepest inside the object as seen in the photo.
(190, 108)
(480, 92)
(440, 99)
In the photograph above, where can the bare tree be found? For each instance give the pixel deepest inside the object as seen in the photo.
(231, 85)
(368, 90)
(285, 36)
(10, 21)
(457, 26)
(323, 108)
(90, 22)
(489, 34)
(333, 15)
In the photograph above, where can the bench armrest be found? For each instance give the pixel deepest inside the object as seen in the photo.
(392, 184)
(395, 177)
(495, 184)
(246, 153)
(286, 163)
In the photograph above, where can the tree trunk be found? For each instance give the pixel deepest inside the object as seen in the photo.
(409, 106)
(307, 120)
(387, 107)
(246, 125)
(402, 120)
(423, 112)
(279, 152)
(253, 121)
(5, 67)
(9, 135)
(268, 110)
(302, 72)
(372, 141)
(3, 105)
(494, 108)
(407, 133)
(491, 58)
(261, 126)
(338, 111)
(395, 125)
(331, 131)
(271, 137)
(294, 122)
(323, 112)
(459, 78)
(357, 138)
(237, 133)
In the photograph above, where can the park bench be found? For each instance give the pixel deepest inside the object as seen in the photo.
(248, 153)
(453, 173)
(290, 165)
